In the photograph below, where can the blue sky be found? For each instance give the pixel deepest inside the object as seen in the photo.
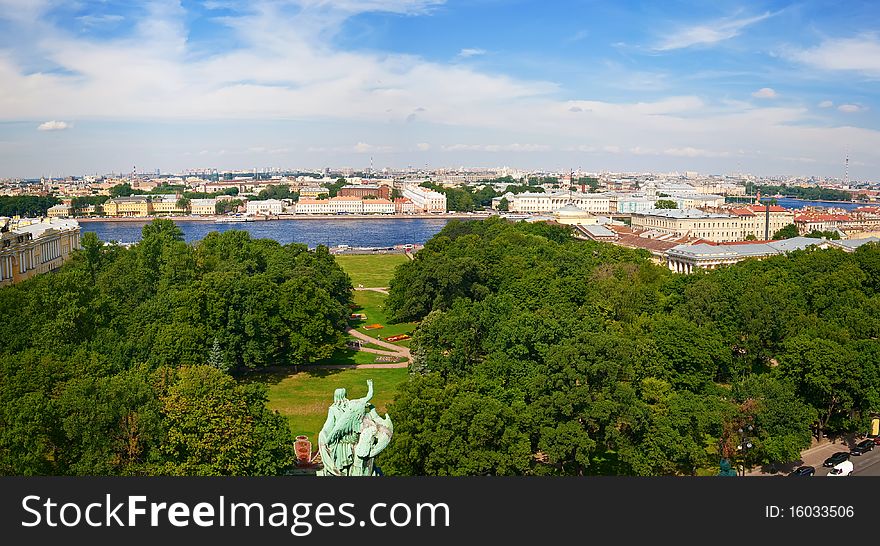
(771, 88)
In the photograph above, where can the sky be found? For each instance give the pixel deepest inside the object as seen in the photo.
(767, 88)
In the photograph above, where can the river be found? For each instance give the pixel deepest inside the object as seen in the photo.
(791, 203)
(364, 233)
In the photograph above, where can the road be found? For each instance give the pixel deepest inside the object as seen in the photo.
(863, 465)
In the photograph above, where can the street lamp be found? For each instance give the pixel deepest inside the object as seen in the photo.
(745, 444)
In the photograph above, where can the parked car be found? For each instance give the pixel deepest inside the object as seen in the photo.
(842, 469)
(803, 471)
(877, 440)
(862, 447)
(837, 458)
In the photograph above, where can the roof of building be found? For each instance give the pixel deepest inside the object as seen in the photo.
(571, 211)
(597, 231)
(681, 213)
(707, 251)
(852, 244)
(39, 227)
(203, 202)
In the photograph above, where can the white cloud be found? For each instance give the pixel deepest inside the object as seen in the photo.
(53, 126)
(765, 93)
(826, 104)
(689, 151)
(364, 148)
(423, 146)
(516, 147)
(708, 33)
(471, 52)
(850, 108)
(860, 54)
(154, 75)
(95, 20)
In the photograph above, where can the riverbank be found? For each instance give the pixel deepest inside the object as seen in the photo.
(429, 216)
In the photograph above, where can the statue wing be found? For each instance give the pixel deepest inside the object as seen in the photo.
(348, 422)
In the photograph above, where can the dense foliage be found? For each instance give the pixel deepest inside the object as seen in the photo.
(26, 205)
(539, 354)
(278, 191)
(469, 198)
(810, 193)
(115, 364)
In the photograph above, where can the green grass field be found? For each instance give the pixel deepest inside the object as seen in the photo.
(372, 304)
(371, 270)
(303, 398)
(350, 356)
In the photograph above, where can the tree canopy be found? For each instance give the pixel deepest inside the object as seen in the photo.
(115, 363)
(541, 354)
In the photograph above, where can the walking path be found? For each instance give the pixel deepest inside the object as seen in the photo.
(379, 290)
(400, 351)
(393, 350)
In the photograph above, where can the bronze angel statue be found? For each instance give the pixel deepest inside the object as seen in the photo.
(353, 435)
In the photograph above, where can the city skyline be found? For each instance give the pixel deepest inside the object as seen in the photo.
(767, 88)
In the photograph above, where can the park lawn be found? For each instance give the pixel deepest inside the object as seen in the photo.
(303, 398)
(372, 304)
(350, 356)
(371, 270)
(368, 345)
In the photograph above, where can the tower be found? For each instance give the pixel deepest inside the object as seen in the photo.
(846, 170)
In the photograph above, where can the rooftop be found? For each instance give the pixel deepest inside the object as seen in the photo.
(681, 213)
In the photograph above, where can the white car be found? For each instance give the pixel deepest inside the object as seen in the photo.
(842, 469)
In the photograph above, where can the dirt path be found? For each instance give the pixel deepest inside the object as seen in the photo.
(380, 290)
(401, 351)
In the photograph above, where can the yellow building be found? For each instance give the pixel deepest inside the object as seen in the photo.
(203, 207)
(133, 206)
(30, 247)
(60, 211)
(167, 204)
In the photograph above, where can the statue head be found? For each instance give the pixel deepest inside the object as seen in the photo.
(338, 395)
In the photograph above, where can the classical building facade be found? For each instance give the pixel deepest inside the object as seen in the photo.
(529, 202)
(203, 207)
(137, 206)
(365, 190)
(268, 206)
(713, 227)
(31, 247)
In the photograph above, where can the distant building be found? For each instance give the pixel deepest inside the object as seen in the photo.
(753, 220)
(167, 203)
(31, 247)
(687, 258)
(403, 205)
(266, 207)
(365, 190)
(817, 221)
(378, 206)
(133, 206)
(425, 200)
(530, 202)
(60, 211)
(571, 215)
(690, 222)
(203, 207)
(312, 192)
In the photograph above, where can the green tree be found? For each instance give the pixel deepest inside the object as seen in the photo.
(217, 427)
(504, 204)
(665, 204)
(787, 232)
(816, 234)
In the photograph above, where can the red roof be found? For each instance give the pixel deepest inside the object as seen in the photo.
(763, 208)
(815, 217)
